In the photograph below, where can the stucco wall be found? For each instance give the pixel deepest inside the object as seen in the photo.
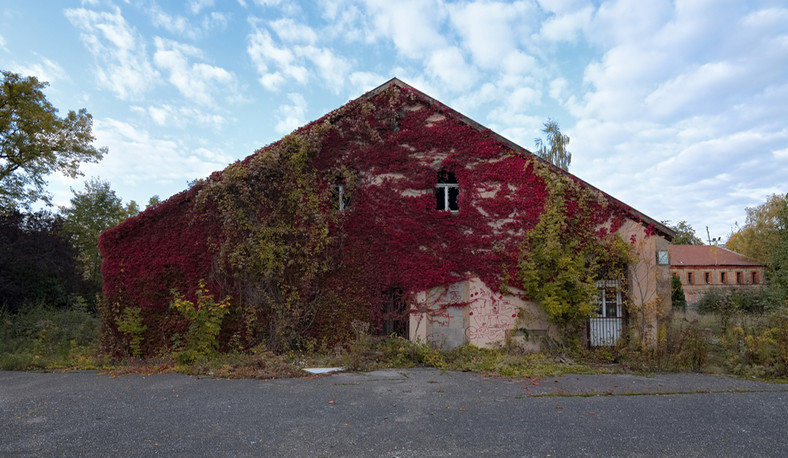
(471, 312)
(648, 281)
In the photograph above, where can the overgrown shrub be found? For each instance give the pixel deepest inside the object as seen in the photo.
(41, 336)
(762, 352)
(205, 322)
(130, 323)
(690, 346)
(719, 302)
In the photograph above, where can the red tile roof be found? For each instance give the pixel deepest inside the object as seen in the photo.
(703, 255)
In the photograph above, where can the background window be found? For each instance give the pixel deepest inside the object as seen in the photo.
(689, 278)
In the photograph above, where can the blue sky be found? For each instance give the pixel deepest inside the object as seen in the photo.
(679, 109)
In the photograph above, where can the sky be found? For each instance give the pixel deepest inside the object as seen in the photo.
(677, 108)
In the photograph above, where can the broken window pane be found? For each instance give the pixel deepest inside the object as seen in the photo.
(447, 192)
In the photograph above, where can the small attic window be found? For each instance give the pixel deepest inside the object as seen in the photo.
(447, 192)
(341, 198)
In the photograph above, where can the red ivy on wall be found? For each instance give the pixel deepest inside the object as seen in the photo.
(395, 142)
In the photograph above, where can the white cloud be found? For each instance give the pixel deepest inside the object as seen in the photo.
(332, 68)
(181, 116)
(198, 5)
(2, 44)
(565, 27)
(286, 6)
(195, 81)
(136, 157)
(362, 82)
(703, 89)
(122, 64)
(491, 31)
(177, 25)
(345, 21)
(517, 64)
(561, 6)
(558, 89)
(277, 64)
(264, 52)
(628, 21)
(293, 115)
(449, 66)
(215, 20)
(272, 81)
(292, 32)
(413, 25)
(45, 70)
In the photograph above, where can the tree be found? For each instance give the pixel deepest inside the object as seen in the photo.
(153, 201)
(37, 264)
(685, 234)
(760, 235)
(91, 212)
(554, 150)
(35, 142)
(778, 271)
(677, 293)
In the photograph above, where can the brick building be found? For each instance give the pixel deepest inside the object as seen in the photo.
(702, 268)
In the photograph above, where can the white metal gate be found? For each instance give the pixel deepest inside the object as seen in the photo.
(605, 329)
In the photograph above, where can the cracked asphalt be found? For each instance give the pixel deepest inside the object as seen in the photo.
(406, 413)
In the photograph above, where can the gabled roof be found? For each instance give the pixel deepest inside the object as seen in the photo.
(703, 255)
(449, 112)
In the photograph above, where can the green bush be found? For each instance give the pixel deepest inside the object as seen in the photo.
(41, 336)
(205, 322)
(130, 323)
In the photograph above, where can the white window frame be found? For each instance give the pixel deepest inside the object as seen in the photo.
(445, 187)
(341, 196)
(601, 287)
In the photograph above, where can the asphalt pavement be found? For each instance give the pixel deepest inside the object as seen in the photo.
(407, 413)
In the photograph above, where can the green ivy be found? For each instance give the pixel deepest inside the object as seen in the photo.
(276, 214)
(563, 257)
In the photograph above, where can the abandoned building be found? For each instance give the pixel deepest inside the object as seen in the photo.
(393, 210)
(705, 267)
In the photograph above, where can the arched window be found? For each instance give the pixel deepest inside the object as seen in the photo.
(447, 192)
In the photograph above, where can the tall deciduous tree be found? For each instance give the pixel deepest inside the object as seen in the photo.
(554, 148)
(92, 211)
(779, 253)
(35, 142)
(685, 234)
(760, 235)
